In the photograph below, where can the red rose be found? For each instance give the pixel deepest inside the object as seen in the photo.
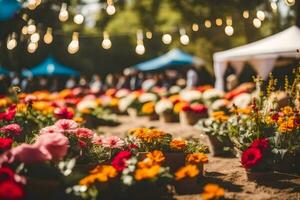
(6, 174)
(119, 161)
(5, 144)
(261, 144)
(251, 157)
(10, 190)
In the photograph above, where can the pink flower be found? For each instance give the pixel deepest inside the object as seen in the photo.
(12, 129)
(84, 133)
(50, 129)
(113, 142)
(82, 144)
(98, 140)
(55, 144)
(30, 98)
(66, 125)
(64, 113)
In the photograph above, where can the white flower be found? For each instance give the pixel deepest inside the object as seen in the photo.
(86, 104)
(147, 97)
(190, 95)
(212, 94)
(125, 102)
(242, 100)
(122, 93)
(127, 180)
(163, 105)
(125, 171)
(219, 104)
(175, 89)
(131, 168)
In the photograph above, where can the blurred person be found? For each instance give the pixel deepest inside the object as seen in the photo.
(191, 78)
(231, 82)
(15, 79)
(96, 84)
(71, 83)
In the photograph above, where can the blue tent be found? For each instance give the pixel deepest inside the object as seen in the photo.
(3, 71)
(8, 8)
(50, 67)
(173, 58)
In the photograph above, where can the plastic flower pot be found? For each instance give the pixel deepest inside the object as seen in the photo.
(190, 118)
(169, 117)
(187, 186)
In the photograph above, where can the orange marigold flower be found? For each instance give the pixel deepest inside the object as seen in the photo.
(146, 134)
(79, 120)
(212, 192)
(196, 158)
(220, 116)
(114, 102)
(101, 173)
(147, 173)
(243, 111)
(157, 156)
(148, 108)
(190, 171)
(178, 144)
(287, 110)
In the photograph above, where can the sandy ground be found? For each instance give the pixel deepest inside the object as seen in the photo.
(227, 172)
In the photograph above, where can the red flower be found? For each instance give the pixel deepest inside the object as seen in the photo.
(6, 174)
(9, 114)
(119, 161)
(64, 113)
(251, 157)
(132, 146)
(5, 144)
(10, 190)
(13, 129)
(199, 108)
(261, 144)
(82, 144)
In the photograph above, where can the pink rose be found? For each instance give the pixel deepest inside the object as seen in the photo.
(84, 133)
(113, 142)
(12, 129)
(55, 144)
(66, 125)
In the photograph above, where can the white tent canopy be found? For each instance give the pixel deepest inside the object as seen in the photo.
(261, 54)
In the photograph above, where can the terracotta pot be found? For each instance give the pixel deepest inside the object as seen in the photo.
(190, 118)
(169, 117)
(187, 186)
(216, 147)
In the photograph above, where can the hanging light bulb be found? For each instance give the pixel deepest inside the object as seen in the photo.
(24, 30)
(256, 23)
(219, 22)
(78, 19)
(31, 27)
(110, 9)
(35, 37)
(229, 21)
(74, 44)
(207, 23)
(167, 38)
(274, 6)
(63, 13)
(48, 37)
(184, 38)
(290, 2)
(106, 43)
(149, 35)
(246, 14)
(229, 30)
(195, 27)
(11, 42)
(32, 4)
(32, 47)
(140, 48)
(260, 15)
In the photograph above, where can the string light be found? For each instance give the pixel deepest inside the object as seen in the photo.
(78, 19)
(110, 9)
(256, 23)
(106, 43)
(63, 14)
(32, 47)
(207, 23)
(290, 2)
(140, 48)
(48, 38)
(32, 4)
(260, 15)
(195, 27)
(219, 22)
(11, 42)
(274, 6)
(149, 35)
(74, 44)
(24, 30)
(31, 27)
(229, 21)
(246, 14)
(229, 30)
(167, 38)
(184, 38)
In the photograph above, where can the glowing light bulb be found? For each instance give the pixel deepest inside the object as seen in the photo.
(167, 38)
(78, 19)
(260, 15)
(110, 9)
(74, 44)
(290, 2)
(246, 14)
(256, 23)
(24, 30)
(195, 27)
(63, 14)
(229, 21)
(32, 4)
(274, 6)
(229, 30)
(149, 35)
(219, 22)
(31, 29)
(140, 49)
(184, 39)
(106, 43)
(11, 43)
(32, 47)
(35, 37)
(207, 23)
(48, 38)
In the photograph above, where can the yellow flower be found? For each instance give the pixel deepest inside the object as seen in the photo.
(174, 98)
(212, 192)
(114, 102)
(220, 116)
(196, 158)
(190, 171)
(146, 134)
(147, 173)
(178, 106)
(79, 120)
(101, 173)
(148, 108)
(85, 111)
(21, 107)
(288, 125)
(287, 110)
(4, 102)
(64, 93)
(178, 144)
(243, 111)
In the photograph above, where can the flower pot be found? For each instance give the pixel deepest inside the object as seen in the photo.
(257, 176)
(216, 147)
(153, 117)
(169, 117)
(289, 162)
(187, 186)
(190, 118)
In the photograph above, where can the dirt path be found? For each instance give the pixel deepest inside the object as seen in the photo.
(227, 172)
